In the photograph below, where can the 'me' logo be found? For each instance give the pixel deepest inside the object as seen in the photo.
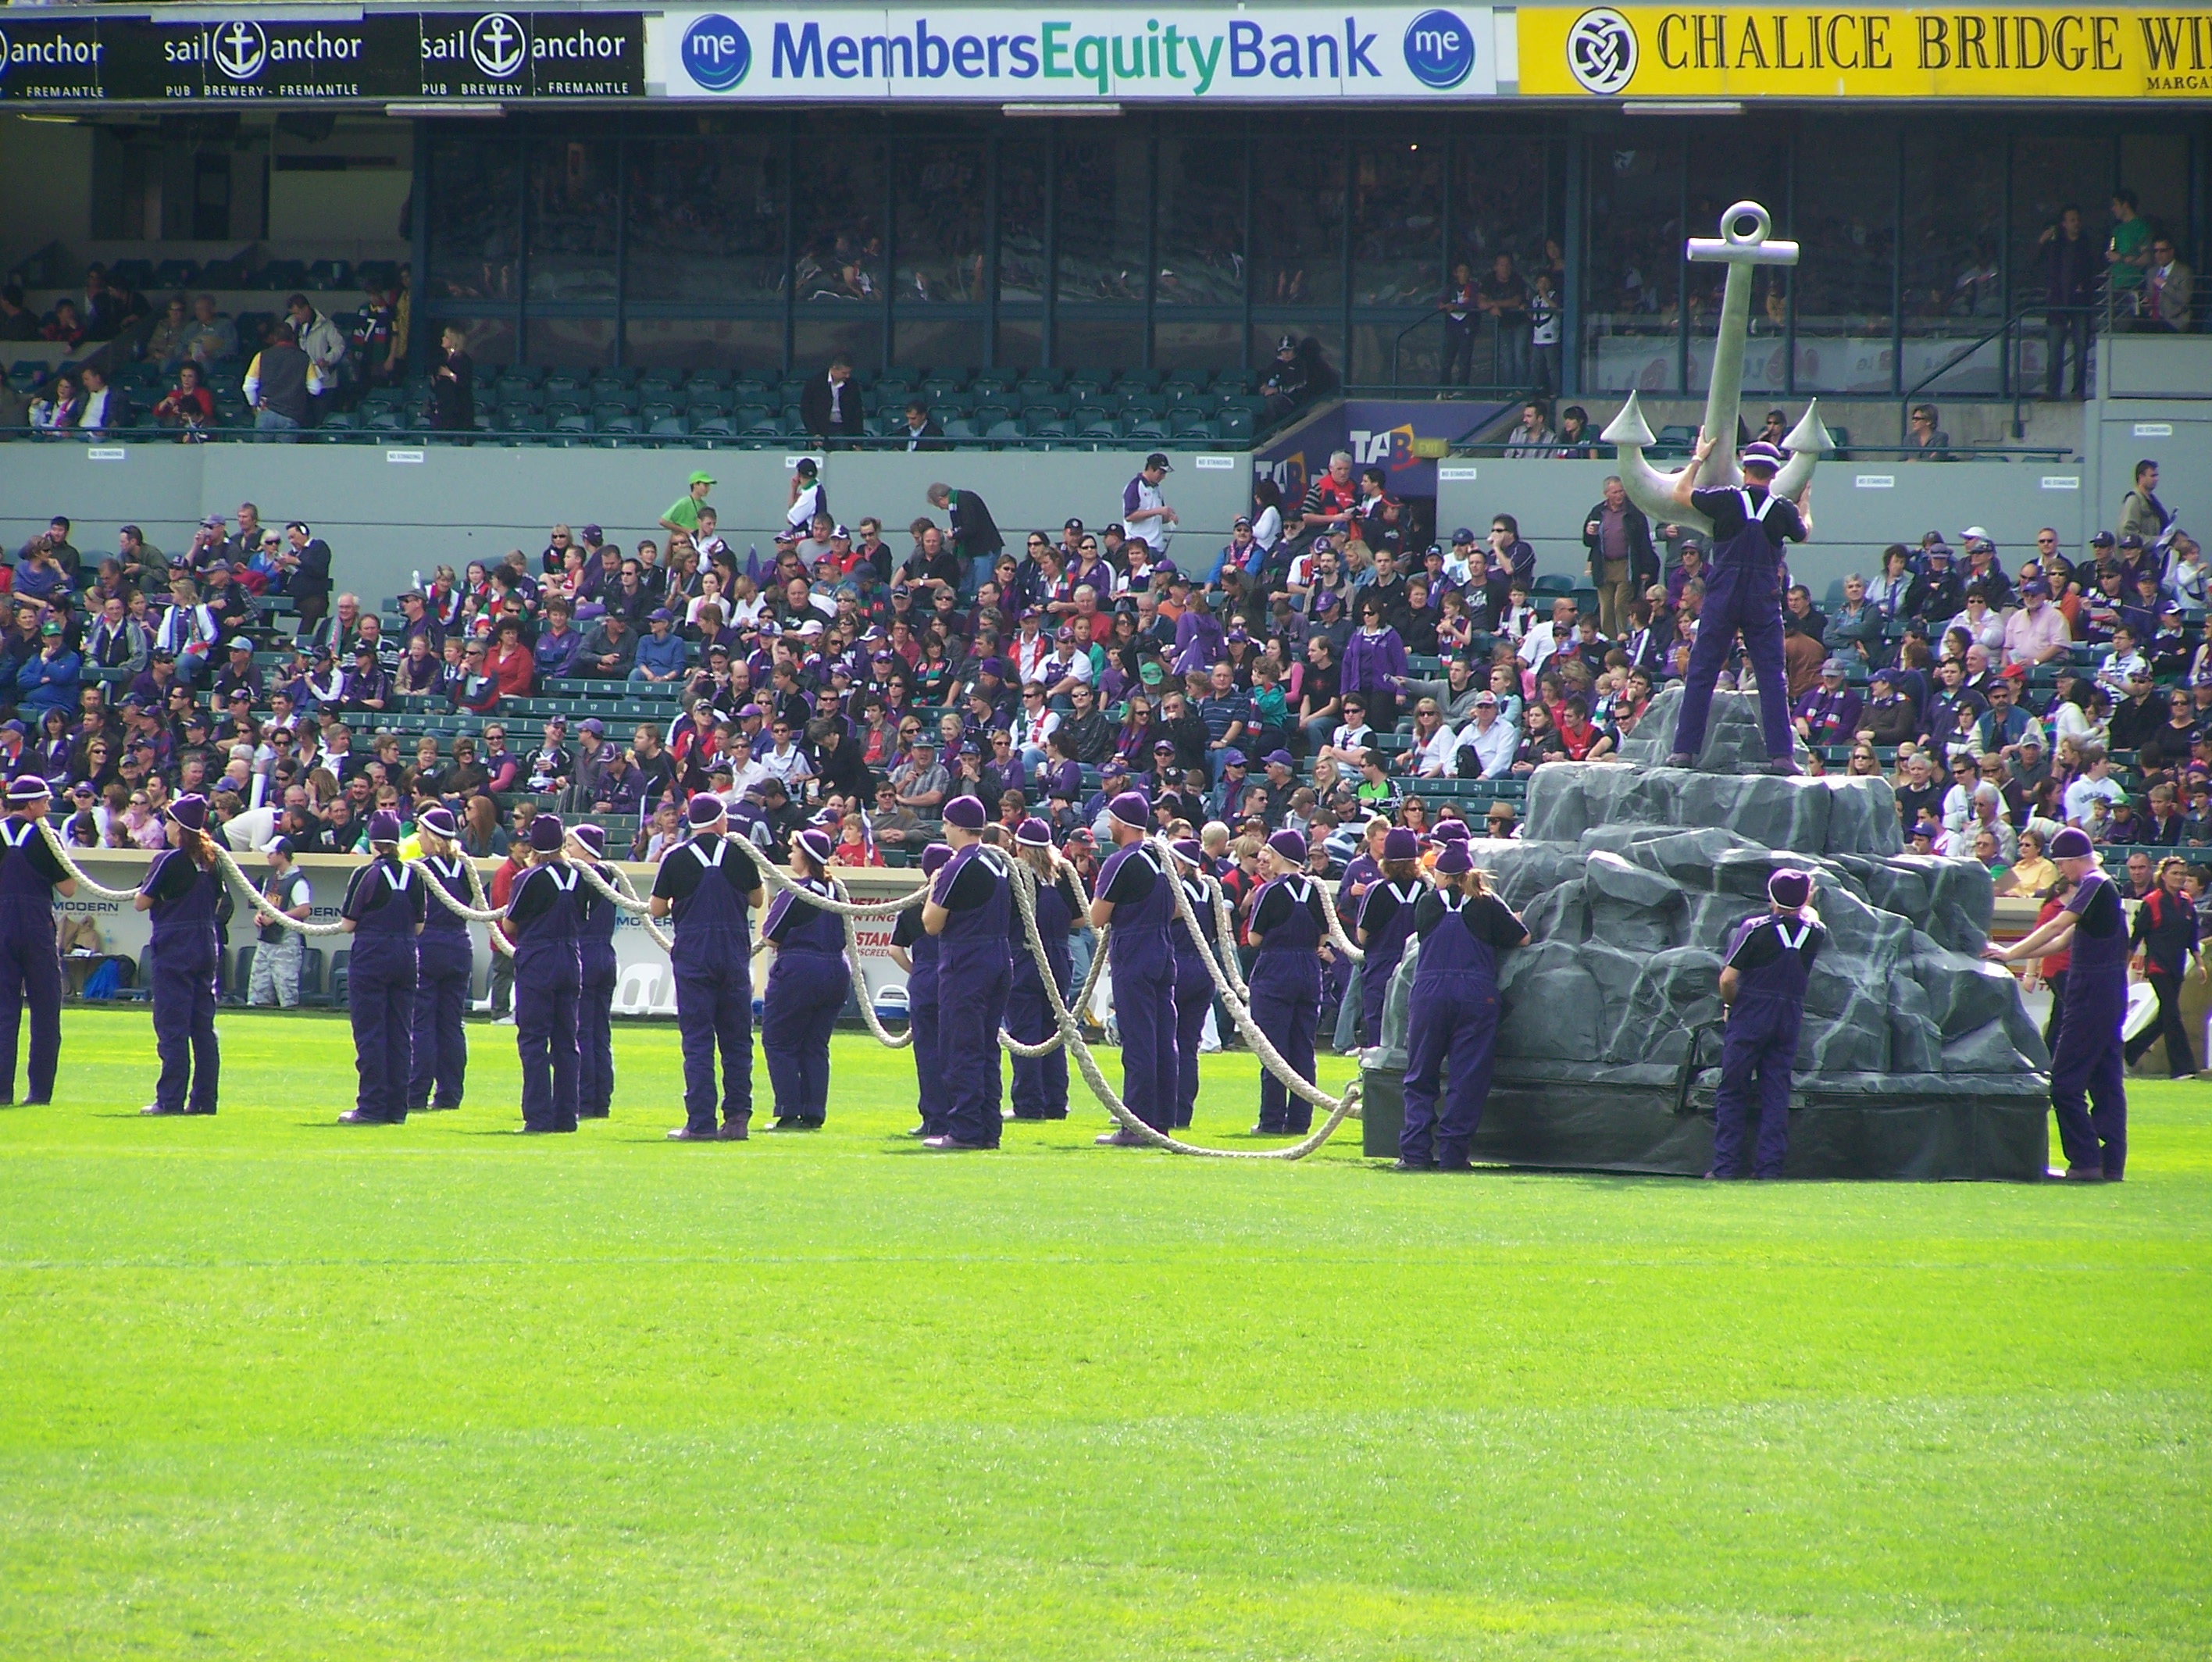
(1439, 50)
(498, 46)
(716, 53)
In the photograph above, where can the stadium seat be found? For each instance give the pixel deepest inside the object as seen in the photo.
(1551, 583)
(670, 427)
(1151, 431)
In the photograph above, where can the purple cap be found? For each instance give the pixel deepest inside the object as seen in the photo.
(1166, 744)
(1033, 833)
(189, 810)
(1232, 757)
(991, 666)
(817, 844)
(1450, 831)
(439, 820)
(1760, 453)
(2071, 843)
(966, 812)
(1790, 887)
(1453, 858)
(28, 787)
(1399, 844)
(594, 839)
(594, 727)
(383, 826)
(1188, 849)
(1130, 809)
(1289, 846)
(547, 834)
(660, 614)
(933, 858)
(1280, 759)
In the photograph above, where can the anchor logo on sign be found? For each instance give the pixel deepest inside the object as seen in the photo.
(498, 45)
(239, 50)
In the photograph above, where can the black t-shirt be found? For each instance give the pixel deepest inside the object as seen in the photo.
(1378, 906)
(1724, 508)
(1488, 919)
(681, 870)
(175, 879)
(1277, 903)
(36, 850)
(1763, 946)
(370, 890)
(907, 933)
(534, 894)
(972, 886)
(2104, 916)
(1133, 881)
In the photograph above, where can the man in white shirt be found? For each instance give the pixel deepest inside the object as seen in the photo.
(1144, 511)
(1546, 639)
(1494, 743)
(2094, 781)
(783, 759)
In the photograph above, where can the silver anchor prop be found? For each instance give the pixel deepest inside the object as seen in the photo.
(1653, 491)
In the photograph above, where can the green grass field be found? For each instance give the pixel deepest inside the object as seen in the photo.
(274, 1388)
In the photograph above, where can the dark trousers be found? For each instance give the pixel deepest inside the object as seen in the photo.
(1289, 1015)
(1458, 367)
(805, 995)
(1756, 1054)
(30, 978)
(2088, 1067)
(183, 1034)
(1144, 1014)
(380, 998)
(545, 1018)
(1040, 1082)
(1455, 1029)
(1737, 599)
(2180, 1063)
(595, 1043)
(2055, 1023)
(501, 990)
(441, 1065)
(921, 1014)
(2064, 329)
(310, 609)
(714, 1011)
(972, 1002)
(1193, 996)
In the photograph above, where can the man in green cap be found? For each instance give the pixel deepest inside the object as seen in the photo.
(683, 513)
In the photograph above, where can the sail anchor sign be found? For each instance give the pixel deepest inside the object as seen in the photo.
(1743, 243)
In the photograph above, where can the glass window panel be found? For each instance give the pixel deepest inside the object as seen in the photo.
(1298, 216)
(1083, 340)
(1634, 266)
(1021, 219)
(1325, 332)
(705, 219)
(820, 336)
(1201, 217)
(1185, 344)
(2155, 166)
(1846, 226)
(1500, 201)
(940, 200)
(1381, 358)
(837, 188)
(572, 219)
(572, 343)
(1951, 271)
(1103, 203)
(2049, 175)
(1396, 223)
(491, 340)
(1021, 343)
(937, 341)
(753, 343)
(476, 220)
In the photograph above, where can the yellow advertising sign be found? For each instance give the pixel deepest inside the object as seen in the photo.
(1793, 51)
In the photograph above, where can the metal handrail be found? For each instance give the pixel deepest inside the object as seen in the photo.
(2008, 384)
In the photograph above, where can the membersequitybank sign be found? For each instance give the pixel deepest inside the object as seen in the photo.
(1814, 52)
(1220, 54)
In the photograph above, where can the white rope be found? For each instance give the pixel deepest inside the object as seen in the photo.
(778, 879)
(77, 872)
(1336, 935)
(268, 912)
(883, 1036)
(626, 900)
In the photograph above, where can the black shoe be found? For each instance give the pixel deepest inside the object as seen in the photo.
(199, 1111)
(355, 1117)
(791, 1123)
(1401, 1164)
(954, 1145)
(591, 1113)
(2079, 1174)
(1121, 1139)
(1267, 1131)
(1678, 759)
(737, 1131)
(1782, 768)
(922, 1131)
(685, 1134)
(418, 1108)
(155, 1110)
(36, 1102)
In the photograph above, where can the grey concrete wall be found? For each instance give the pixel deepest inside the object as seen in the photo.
(384, 516)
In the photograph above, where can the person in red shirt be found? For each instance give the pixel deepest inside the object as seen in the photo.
(188, 404)
(1581, 740)
(510, 661)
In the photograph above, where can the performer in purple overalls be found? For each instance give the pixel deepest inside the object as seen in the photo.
(595, 1004)
(30, 960)
(806, 989)
(1452, 1011)
(2088, 1064)
(917, 947)
(1769, 965)
(182, 890)
(383, 913)
(1194, 980)
(707, 883)
(545, 912)
(445, 962)
(968, 910)
(1743, 592)
(1386, 920)
(1133, 899)
(1288, 928)
(1040, 1082)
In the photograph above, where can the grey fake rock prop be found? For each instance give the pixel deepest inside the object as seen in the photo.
(1915, 1059)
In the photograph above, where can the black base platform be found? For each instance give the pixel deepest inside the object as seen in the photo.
(1927, 1128)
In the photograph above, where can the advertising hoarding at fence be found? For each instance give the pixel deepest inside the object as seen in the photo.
(1807, 52)
(1014, 54)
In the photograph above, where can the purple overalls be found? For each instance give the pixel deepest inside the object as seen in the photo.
(806, 990)
(2090, 1063)
(1386, 945)
(713, 963)
(595, 1002)
(184, 952)
(973, 978)
(1285, 986)
(1743, 592)
(1194, 994)
(30, 963)
(1760, 1041)
(921, 1016)
(445, 961)
(1040, 1082)
(1451, 1021)
(1142, 964)
(384, 901)
(549, 975)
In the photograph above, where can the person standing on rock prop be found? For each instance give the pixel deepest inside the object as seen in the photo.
(1769, 965)
(2088, 1061)
(1743, 593)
